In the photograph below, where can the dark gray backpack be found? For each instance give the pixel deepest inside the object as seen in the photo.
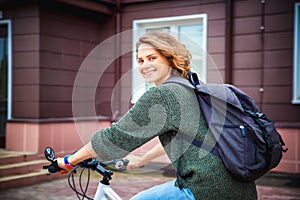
(247, 142)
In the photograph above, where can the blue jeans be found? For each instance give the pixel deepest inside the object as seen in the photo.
(166, 191)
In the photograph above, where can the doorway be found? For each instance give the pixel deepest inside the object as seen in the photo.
(4, 78)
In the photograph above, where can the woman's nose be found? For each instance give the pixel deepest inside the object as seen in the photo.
(145, 64)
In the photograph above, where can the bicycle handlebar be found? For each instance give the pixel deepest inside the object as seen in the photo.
(94, 164)
(89, 164)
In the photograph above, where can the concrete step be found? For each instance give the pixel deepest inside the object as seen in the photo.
(22, 167)
(10, 157)
(27, 179)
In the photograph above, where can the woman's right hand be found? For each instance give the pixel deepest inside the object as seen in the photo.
(82, 154)
(61, 164)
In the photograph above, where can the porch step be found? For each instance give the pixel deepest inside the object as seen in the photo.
(21, 169)
(10, 157)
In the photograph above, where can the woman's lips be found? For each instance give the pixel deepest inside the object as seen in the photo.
(148, 74)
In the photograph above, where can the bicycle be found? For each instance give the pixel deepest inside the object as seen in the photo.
(104, 191)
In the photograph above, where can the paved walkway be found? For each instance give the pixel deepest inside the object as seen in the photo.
(125, 184)
(128, 184)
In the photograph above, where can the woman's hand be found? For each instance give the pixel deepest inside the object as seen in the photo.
(135, 162)
(61, 164)
(82, 154)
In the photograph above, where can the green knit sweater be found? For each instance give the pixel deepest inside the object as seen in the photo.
(163, 109)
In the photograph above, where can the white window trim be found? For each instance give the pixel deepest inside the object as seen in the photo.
(138, 82)
(296, 88)
(9, 68)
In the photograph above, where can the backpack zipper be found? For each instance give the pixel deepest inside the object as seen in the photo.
(241, 127)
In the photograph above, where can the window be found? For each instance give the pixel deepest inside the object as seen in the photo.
(189, 30)
(5, 73)
(296, 86)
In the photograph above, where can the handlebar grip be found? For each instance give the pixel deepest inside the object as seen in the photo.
(53, 168)
(121, 164)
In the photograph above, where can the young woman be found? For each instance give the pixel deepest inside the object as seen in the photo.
(161, 111)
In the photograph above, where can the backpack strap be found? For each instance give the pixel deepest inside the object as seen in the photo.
(193, 77)
(192, 82)
(200, 144)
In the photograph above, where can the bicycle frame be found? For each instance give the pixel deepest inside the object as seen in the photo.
(105, 192)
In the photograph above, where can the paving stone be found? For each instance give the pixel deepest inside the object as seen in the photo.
(126, 185)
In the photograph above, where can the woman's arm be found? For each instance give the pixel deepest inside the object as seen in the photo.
(82, 154)
(150, 117)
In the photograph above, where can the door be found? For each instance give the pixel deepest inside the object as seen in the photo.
(3, 81)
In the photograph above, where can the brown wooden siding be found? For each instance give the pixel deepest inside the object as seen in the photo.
(263, 58)
(50, 43)
(155, 9)
(66, 40)
(25, 47)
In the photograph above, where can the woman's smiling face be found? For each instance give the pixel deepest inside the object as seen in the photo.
(153, 66)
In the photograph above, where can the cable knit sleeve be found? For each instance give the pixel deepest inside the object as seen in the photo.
(151, 116)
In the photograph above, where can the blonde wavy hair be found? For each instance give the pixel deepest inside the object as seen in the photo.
(177, 54)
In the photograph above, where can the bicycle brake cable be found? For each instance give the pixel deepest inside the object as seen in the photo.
(72, 183)
(84, 190)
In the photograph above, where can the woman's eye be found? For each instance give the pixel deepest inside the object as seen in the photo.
(152, 58)
(140, 61)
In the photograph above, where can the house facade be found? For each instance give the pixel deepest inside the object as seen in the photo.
(68, 67)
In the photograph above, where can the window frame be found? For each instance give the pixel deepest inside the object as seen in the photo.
(140, 26)
(296, 63)
(9, 67)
